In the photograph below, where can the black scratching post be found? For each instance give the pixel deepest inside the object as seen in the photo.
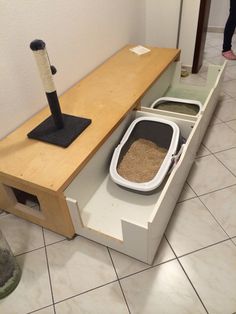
(58, 129)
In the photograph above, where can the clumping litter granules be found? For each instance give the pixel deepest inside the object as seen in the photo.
(142, 161)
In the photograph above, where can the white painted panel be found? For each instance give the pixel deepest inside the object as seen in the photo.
(168, 198)
(135, 236)
(170, 194)
(159, 87)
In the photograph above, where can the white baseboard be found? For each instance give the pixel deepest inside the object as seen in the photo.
(212, 29)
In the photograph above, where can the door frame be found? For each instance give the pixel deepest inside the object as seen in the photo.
(204, 12)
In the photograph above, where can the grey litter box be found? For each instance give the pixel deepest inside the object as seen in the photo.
(163, 133)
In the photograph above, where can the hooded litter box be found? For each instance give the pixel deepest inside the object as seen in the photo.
(142, 159)
(178, 105)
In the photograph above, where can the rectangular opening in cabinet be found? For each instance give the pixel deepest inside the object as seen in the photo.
(25, 198)
(102, 204)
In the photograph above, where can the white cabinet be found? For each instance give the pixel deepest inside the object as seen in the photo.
(129, 222)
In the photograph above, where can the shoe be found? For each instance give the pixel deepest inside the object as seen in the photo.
(229, 55)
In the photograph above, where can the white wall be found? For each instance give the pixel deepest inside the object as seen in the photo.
(79, 36)
(162, 18)
(218, 14)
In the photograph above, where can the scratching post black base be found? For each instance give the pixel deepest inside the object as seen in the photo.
(48, 132)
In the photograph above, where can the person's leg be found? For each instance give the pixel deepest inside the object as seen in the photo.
(230, 27)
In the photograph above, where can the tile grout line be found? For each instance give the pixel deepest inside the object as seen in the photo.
(149, 267)
(233, 241)
(33, 250)
(49, 275)
(119, 281)
(76, 295)
(220, 151)
(195, 290)
(224, 164)
(213, 191)
(213, 216)
(86, 291)
(203, 248)
(187, 199)
(42, 308)
(192, 286)
(230, 126)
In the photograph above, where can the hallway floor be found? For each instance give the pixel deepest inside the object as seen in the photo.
(195, 269)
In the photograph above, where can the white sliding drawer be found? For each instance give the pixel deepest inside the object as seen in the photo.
(124, 220)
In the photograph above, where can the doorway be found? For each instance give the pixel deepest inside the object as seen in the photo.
(204, 12)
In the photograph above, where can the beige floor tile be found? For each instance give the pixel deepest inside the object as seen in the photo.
(219, 137)
(52, 237)
(163, 289)
(231, 70)
(229, 87)
(214, 120)
(126, 265)
(77, 266)
(192, 227)
(226, 110)
(234, 240)
(222, 206)
(33, 291)
(227, 77)
(211, 52)
(186, 193)
(208, 175)
(47, 310)
(214, 39)
(203, 151)
(228, 158)
(212, 272)
(204, 68)
(232, 124)
(104, 300)
(218, 60)
(22, 236)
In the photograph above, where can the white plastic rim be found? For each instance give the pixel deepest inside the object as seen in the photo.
(186, 101)
(159, 177)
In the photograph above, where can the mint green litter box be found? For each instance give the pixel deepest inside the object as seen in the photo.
(178, 105)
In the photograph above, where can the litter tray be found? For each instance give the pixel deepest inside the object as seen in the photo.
(178, 105)
(145, 154)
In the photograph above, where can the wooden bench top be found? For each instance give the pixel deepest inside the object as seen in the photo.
(106, 95)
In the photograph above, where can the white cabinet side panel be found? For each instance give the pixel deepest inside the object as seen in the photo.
(171, 192)
(188, 30)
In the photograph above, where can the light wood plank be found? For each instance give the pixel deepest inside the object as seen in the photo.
(105, 96)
